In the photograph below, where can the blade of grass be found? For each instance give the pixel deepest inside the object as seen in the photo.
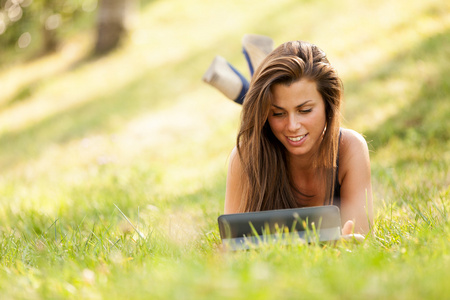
(129, 222)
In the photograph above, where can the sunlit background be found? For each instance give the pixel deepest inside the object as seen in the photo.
(102, 104)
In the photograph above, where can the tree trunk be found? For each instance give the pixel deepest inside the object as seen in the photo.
(110, 24)
(49, 40)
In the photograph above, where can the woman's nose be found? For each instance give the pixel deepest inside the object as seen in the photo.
(294, 123)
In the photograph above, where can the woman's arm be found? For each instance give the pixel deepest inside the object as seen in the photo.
(234, 184)
(356, 188)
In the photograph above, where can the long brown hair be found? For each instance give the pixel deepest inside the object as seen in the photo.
(267, 183)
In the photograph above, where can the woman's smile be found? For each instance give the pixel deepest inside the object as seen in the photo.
(296, 139)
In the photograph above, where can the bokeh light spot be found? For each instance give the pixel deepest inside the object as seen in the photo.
(24, 40)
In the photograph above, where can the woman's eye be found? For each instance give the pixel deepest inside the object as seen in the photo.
(305, 111)
(279, 114)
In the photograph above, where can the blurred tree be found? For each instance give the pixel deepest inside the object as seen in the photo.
(46, 22)
(41, 25)
(112, 19)
(50, 21)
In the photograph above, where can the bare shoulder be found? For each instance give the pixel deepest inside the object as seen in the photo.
(352, 139)
(353, 153)
(234, 161)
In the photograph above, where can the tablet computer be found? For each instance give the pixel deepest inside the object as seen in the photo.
(244, 230)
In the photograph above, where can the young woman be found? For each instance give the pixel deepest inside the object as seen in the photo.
(291, 151)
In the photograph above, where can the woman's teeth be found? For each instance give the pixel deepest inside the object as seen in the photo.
(296, 139)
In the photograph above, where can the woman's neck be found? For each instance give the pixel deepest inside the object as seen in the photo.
(304, 163)
(308, 181)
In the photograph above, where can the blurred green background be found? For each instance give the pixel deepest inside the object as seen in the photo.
(87, 124)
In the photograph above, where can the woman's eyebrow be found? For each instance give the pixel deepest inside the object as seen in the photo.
(298, 106)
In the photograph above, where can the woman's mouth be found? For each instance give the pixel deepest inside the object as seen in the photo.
(297, 138)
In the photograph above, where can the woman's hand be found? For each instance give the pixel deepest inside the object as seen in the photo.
(347, 232)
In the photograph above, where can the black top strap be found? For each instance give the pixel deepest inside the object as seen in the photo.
(337, 185)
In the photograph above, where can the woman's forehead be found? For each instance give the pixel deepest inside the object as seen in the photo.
(295, 93)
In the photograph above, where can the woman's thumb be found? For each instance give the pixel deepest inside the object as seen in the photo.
(348, 227)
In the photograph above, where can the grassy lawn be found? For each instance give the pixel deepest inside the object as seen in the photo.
(113, 170)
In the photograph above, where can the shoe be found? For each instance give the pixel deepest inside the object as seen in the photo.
(223, 76)
(255, 48)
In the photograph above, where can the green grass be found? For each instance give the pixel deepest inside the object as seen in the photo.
(86, 145)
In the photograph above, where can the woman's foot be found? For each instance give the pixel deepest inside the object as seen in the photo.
(223, 76)
(255, 48)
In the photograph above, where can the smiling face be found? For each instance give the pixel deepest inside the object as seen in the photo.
(297, 117)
